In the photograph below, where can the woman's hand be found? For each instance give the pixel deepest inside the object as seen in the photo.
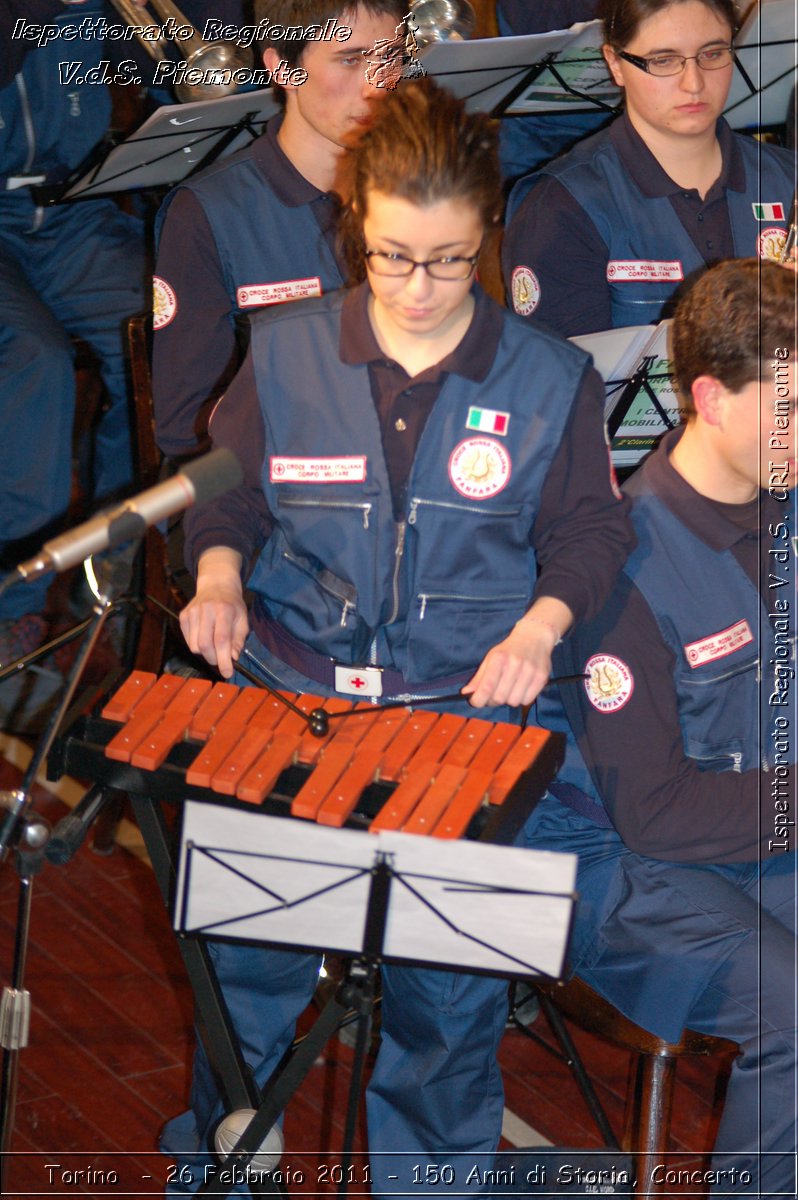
(215, 622)
(516, 669)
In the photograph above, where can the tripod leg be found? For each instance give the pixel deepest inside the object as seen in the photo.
(15, 1006)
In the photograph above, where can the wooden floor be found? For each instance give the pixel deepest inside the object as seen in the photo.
(110, 1041)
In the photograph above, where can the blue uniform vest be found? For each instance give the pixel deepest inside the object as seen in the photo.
(430, 594)
(48, 127)
(694, 592)
(270, 242)
(639, 228)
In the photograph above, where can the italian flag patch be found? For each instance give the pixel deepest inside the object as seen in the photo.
(768, 212)
(488, 420)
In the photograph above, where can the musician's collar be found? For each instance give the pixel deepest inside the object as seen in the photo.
(472, 359)
(289, 185)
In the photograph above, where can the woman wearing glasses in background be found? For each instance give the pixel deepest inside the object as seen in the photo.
(604, 236)
(428, 501)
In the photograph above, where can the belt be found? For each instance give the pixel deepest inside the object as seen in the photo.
(322, 669)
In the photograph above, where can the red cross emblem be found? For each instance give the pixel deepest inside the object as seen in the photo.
(356, 681)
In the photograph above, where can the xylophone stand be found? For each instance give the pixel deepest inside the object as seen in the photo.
(355, 992)
(238, 1085)
(28, 835)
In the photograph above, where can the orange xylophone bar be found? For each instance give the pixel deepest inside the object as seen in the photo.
(446, 767)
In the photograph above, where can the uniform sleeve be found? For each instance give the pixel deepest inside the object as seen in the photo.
(523, 17)
(555, 263)
(662, 805)
(32, 12)
(195, 353)
(240, 518)
(582, 535)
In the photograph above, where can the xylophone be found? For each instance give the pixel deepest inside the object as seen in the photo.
(418, 771)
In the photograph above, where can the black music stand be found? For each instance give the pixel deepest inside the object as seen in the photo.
(564, 71)
(642, 402)
(390, 897)
(177, 141)
(766, 60)
(495, 74)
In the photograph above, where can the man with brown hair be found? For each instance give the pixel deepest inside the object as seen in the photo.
(256, 228)
(678, 791)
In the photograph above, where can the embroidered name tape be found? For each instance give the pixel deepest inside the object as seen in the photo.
(317, 470)
(643, 271)
(256, 295)
(718, 645)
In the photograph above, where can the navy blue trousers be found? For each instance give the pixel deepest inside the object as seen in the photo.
(82, 273)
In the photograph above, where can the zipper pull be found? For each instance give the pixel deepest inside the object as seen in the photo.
(411, 517)
(366, 512)
(423, 600)
(345, 612)
(737, 758)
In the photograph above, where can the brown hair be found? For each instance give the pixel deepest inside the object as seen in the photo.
(423, 147)
(294, 16)
(731, 321)
(623, 18)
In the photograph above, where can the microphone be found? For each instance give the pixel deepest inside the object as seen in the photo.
(201, 480)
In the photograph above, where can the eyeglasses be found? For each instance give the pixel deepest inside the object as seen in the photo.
(381, 262)
(661, 65)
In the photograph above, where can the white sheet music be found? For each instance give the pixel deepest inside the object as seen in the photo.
(245, 875)
(173, 142)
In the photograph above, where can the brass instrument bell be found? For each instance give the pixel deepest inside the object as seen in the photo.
(211, 58)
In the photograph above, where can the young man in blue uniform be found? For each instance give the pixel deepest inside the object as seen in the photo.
(605, 235)
(257, 229)
(678, 791)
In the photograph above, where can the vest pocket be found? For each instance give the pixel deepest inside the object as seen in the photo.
(316, 590)
(451, 631)
(707, 757)
(361, 508)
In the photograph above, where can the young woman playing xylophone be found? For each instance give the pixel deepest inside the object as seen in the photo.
(427, 500)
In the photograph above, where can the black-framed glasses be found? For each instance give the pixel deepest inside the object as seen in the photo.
(712, 59)
(382, 262)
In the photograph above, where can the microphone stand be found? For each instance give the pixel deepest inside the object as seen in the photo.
(28, 834)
